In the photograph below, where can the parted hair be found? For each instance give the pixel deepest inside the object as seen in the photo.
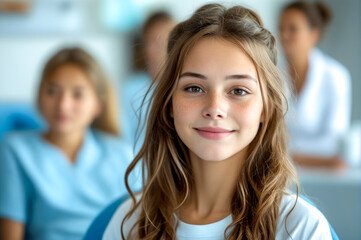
(167, 173)
(108, 119)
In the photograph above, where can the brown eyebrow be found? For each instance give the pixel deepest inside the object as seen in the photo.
(192, 74)
(235, 76)
(241, 76)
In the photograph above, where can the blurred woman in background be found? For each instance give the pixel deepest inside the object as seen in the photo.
(320, 111)
(148, 58)
(53, 183)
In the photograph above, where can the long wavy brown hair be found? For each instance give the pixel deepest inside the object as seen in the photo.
(167, 172)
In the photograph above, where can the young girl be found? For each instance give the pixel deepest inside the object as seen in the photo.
(54, 183)
(318, 80)
(215, 153)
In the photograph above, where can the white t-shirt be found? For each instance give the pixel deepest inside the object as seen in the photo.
(305, 222)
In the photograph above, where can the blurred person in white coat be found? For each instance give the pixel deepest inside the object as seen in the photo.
(320, 106)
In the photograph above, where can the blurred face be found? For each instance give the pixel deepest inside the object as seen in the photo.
(217, 105)
(296, 36)
(68, 100)
(156, 45)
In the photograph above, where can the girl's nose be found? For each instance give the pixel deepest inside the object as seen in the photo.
(216, 106)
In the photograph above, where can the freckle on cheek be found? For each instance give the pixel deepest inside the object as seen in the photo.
(182, 109)
(247, 111)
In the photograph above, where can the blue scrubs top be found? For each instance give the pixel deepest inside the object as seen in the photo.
(54, 198)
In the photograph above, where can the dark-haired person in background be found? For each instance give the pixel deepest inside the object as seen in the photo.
(148, 59)
(320, 111)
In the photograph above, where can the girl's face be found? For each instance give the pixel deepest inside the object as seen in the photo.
(217, 105)
(296, 36)
(68, 100)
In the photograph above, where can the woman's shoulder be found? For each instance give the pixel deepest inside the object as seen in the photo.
(333, 66)
(112, 232)
(301, 220)
(19, 139)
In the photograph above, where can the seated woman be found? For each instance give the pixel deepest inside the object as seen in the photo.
(54, 182)
(320, 112)
(215, 152)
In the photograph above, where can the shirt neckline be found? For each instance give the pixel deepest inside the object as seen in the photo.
(86, 149)
(204, 230)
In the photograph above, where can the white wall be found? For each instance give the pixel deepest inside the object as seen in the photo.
(343, 42)
(28, 40)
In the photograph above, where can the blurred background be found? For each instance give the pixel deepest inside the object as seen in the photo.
(33, 30)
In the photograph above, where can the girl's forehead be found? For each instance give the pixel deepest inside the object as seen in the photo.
(218, 56)
(68, 74)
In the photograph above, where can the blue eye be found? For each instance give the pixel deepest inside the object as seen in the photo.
(194, 89)
(239, 92)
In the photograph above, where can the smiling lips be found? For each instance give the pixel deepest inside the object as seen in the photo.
(213, 133)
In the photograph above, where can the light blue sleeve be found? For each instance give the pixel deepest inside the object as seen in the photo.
(14, 188)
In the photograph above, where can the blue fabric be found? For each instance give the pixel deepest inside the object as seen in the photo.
(132, 94)
(18, 116)
(52, 197)
(333, 233)
(121, 15)
(99, 224)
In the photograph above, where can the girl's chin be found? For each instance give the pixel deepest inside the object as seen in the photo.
(61, 130)
(213, 157)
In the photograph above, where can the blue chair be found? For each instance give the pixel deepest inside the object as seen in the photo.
(99, 224)
(333, 233)
(19, 116)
